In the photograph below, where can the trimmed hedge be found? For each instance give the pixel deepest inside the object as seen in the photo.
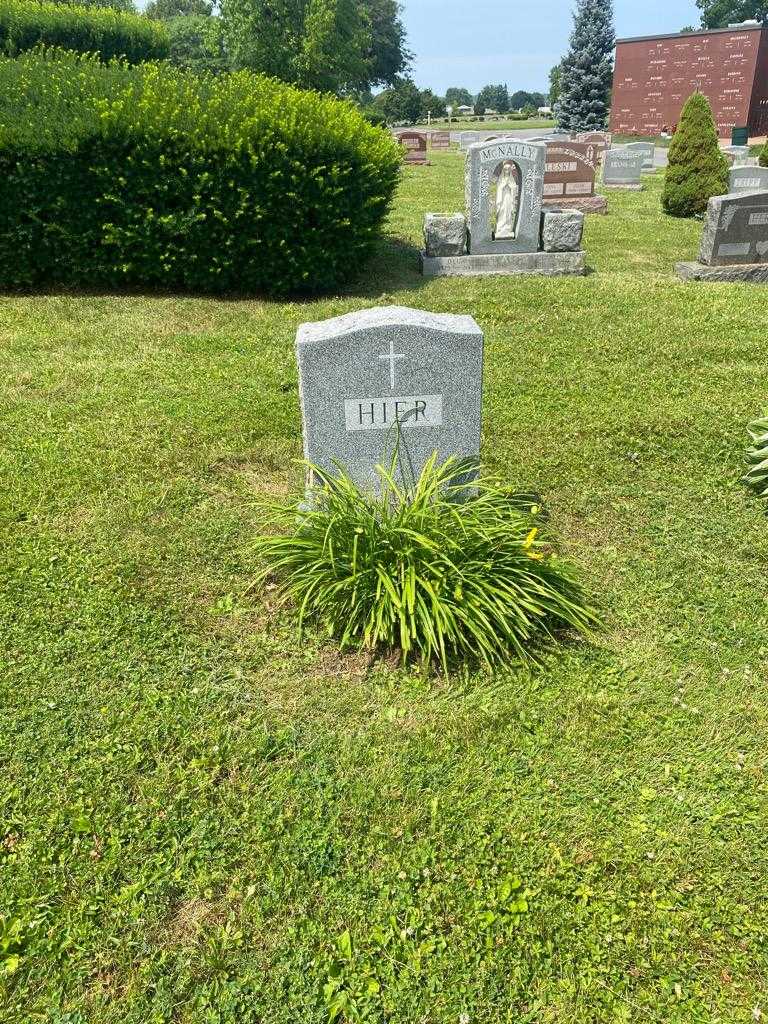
(26, 24)
(696, 170)
(153, 176)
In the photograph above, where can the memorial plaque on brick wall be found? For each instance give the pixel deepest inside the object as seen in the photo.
(415, 144)
(735, 230)
(748, 179)
(440, 140)
(389, 378)
(569, 172)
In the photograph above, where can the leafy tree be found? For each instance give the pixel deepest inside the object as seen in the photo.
(721, 13)
(479, 108)
(458, 97)
(400, 103)
(519, 99)
(697, 170)
(197, 43)
(333, 45)
(687, 28)
(529, 110)
(495, 97)
(555, 77)
(431, 104)
(117, 5)
(164, 10)
(587, 68)
(388, 56)
(319, 44)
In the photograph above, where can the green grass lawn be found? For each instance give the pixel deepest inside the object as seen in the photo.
(203, 820)
(489, 124)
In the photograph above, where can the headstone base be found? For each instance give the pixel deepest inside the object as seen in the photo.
(628, 187)
(542, 264)
(587, 204)
(751, 273)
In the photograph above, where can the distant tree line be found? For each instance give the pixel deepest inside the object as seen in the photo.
(403, 101)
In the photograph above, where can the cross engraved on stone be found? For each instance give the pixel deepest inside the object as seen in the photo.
(391, 360)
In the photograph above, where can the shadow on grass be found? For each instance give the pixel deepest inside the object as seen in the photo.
(393, 266)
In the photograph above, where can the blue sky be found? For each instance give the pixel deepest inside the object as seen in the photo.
(473, 43)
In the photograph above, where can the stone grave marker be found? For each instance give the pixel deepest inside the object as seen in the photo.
(736, 155)
(467, 139)
(390, 376)
(734, 243)
(748, 179)
(415, 144)
(523, 164)
(569, 176)
(600, 140)
(440, 140)
(647, 149)
(622, 168)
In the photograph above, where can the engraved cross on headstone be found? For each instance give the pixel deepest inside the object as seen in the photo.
(390, 358)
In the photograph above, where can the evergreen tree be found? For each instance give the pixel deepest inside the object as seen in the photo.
(697, 170)
(587, 68)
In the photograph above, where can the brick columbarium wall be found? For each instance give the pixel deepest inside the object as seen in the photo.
(655, 75)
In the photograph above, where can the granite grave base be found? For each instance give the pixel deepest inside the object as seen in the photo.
(542, 264)
(627, 187)
(587, 204)
(751, 273)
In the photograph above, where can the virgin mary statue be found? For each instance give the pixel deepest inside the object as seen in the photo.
(506, 201)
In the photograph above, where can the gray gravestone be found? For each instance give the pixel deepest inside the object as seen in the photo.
(735, 230)
(737, 155)
(622, 167)
(485, 161)
(369, 381)
(647, 150)
(748, 179)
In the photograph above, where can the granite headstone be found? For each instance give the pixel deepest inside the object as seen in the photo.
(647, 149)
(748, 179)
(387, 377)
(735, 230)
(569, 171)
(622, 168)
(440, 140)
(485, 163)
(415, 144)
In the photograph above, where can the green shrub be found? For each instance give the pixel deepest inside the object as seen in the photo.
(763, 158)
(425, 570)
(697, 170)
(26, 24)
(756, 477)
(153, 176)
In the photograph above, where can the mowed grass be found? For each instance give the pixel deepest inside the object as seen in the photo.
(203, 819)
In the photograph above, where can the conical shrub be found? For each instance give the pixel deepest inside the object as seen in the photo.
(697, 169)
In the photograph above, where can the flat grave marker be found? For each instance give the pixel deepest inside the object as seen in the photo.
(748, 179)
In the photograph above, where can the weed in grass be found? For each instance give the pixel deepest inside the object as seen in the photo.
(756, 477)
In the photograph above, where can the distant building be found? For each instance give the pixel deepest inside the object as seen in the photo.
(464, 109)
(544, 111)
(655, 75)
